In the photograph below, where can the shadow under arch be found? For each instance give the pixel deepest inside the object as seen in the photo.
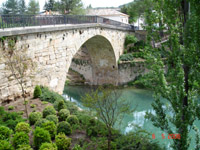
(104, 68)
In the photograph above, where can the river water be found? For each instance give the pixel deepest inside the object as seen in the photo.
(138, 98)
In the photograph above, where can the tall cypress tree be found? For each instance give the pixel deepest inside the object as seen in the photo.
(10, 7)
(22, 7)
(33, 7)
(175, 66)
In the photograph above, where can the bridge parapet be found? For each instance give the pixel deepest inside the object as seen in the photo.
(11, 21)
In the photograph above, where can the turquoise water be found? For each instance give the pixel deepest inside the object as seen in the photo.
(139, 99)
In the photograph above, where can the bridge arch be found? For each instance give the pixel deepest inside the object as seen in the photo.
(103, 61)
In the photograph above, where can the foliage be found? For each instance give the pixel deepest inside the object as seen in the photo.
(72, 119)
(180, 22)
(77, 147)
(63, 142)
(40, 122)
(5, 145)
(64, 127)
(22, 127)
(33, 7)
(53, 118)
(49, 110)
(126, 57)
(130, 39)
(10, 119)
(137, 140)
(37, 92)
(136, 9)
(41, 136)
(5, 133)
(20, 138)
(10, 7)
(22, 7)
(63, 114)
(24, 147)
(61, 105)
(50, 96)
(108, 107)
(11, 107)
(51, 127)
(34, 117)
(48, 146)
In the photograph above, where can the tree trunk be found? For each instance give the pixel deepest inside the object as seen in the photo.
(25, 104)
(109, 139)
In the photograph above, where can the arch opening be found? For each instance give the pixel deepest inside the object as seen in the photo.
(95, 63)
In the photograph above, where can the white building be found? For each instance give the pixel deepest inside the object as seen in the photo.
(112, 14)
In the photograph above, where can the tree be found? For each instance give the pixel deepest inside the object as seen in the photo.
(18, 63)
(22, 7)
(175, 66)
(49, 5)
(33, 7)
(10, 7)
(108, 106)
(136, 9)
(72, 7)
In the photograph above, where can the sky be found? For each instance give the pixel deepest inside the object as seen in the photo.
(94, 3)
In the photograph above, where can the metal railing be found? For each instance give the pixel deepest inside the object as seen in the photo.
(11, 21)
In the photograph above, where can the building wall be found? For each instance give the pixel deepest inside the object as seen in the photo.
(123, 19)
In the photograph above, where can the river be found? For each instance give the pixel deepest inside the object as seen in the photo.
(139, 98)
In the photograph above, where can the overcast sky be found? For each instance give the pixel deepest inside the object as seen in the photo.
(94, 3)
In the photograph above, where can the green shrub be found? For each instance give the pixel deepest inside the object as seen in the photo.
(37, 92)
(48, 146)
(20, 138)
(33, 106)
(53, 118)
(49, 110)
(44, 102)
(77, 147)
(10, 119)
(22, 127)
(126, 57)
(11, 107)
(63, 142)
(5, 145)
(41, 136)
(63, 114)
(51, 127)
(24, 147)
(5, 133)
(64, 127)
(40, 122)
(130, 39)
(61, 105)
(71, 106)
(72, 119)
(49, 96)
(83, 119)
(34, 117)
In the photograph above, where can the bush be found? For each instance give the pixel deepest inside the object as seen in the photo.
(77, 147)
(130, 39)
(72, 119)
(49, 96)
(84, 119)
(63, 114)
(24, 147)
(10, 119)
(51, 127)
(126, 57)
(5, 133)
(49, 110)
(34, 117)
(40, 122)
(5, 145)
(22, 127)
(53, 118)
(37, 92)
(20, 138)
(48, 146)
(61, 105)
(11, 107)
(64, 127)
(41, 136)
(63, 142)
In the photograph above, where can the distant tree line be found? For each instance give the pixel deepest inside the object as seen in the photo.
(14, 7)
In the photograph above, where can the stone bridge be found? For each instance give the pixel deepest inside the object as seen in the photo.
(53, 48)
